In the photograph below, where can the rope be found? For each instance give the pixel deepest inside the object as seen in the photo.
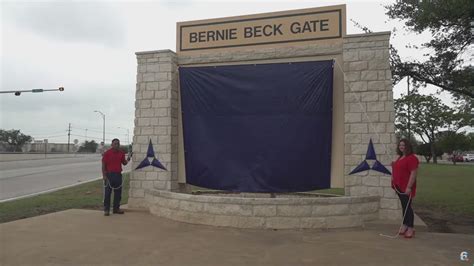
(107, 184)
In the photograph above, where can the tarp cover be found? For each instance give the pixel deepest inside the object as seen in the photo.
(258, 128)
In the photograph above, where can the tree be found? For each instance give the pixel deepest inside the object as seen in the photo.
(14, 138)
(425, 151)
(448, 22)
(453, 143)
(88, 146)
(428, 115)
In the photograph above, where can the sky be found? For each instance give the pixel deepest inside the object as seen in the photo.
(88, 47)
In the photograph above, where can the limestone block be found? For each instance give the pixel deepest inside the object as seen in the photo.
(264, 210)
(330, 210)
(366, 55)
(352, 76)
(376, 107)
(386, 203)
(135, 184)
(162, 76)
(358, 128)
(138, 193)
(164, 121)
(350, 56)
(352, 117)
(358, 191)
(370, 117)
(344, 221)
(371, 181)
(357, 107)
(147, 184)
(375, 191)
(292, 210)
(385, 181)
(385, 117)
(282, 222)
(369, 75)
(313, 222)
(389, 193)
(358, 86)
(352, 138)
(351, 97)
(228, 209)
(370, 96)
(377, 128)
(376, 85)
(151, 176)
(364, 208)
(358, 66)
(191, 206)
(163, 94)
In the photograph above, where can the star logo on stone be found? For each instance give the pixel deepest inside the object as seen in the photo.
(150, 159)
(372, 158)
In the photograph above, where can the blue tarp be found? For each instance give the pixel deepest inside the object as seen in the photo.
(258, 128)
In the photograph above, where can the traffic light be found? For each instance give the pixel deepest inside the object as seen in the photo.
(17, 93)
(61, 88)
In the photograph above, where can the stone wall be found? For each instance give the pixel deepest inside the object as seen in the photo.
(268, 213)
(156, 119)
(369, 114)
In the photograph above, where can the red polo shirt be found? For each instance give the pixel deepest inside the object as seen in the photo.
(401, 170)
(113, 160)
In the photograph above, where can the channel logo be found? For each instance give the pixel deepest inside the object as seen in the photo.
(464, 256)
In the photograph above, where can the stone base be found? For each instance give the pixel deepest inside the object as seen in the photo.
(265, 213)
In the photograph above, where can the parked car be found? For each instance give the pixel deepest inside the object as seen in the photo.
(456, 158)
(468, 157)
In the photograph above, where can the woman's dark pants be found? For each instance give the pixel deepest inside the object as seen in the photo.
(409, 217)
(115, 181)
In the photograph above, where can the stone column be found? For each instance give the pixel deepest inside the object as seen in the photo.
(369, 114)
(156, 118)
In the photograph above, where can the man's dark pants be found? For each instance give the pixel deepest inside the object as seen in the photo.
(114, 180)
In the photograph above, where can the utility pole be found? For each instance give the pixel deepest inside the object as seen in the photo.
(68, 137)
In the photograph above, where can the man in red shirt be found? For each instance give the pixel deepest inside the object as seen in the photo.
(112, 161)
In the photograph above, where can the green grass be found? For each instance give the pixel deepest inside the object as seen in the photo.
(446, 188)
(85, 196)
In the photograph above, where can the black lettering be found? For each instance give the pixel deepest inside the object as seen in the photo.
(232, 34)
(202, 36)
(306, 27)
(314, 26)
(295, 27)
(220, 35)
(192, 37)
(257, 31)
(324, 26)
(248, 32)
(270, 32)
(277, 29)
(210, 35)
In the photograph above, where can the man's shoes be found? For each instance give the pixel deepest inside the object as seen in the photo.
(106, 213)
(118, 211)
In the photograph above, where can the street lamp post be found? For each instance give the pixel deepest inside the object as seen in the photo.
(103, 129)
(128, 134)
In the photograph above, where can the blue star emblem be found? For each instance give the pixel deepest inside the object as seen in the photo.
(150, 159)
(377, 166)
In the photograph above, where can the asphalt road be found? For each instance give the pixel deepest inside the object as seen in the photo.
(29, 177)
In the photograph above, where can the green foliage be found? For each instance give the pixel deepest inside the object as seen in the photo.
(88, 146)
(448, 22)
(425, 151)
(426, 116)
(446, 189)
(14, 138)
(84, 196)
(452, 142)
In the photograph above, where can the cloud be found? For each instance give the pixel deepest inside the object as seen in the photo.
(85, 22)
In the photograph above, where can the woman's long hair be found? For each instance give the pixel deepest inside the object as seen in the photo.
(408, 147)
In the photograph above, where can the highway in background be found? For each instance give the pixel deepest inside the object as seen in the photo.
(23, 178)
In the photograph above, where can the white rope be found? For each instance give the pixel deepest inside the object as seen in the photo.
(107, 184)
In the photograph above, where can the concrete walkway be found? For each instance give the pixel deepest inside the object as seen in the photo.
(86, 237)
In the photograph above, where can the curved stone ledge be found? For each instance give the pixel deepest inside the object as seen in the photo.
(274, 213)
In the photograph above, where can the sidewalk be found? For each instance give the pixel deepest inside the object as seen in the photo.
(86, 237)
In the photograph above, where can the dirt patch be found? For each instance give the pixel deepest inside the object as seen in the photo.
(442, 222)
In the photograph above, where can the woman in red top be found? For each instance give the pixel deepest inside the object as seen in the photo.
(404, 182)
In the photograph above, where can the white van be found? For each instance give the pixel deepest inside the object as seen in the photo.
(468, 157)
